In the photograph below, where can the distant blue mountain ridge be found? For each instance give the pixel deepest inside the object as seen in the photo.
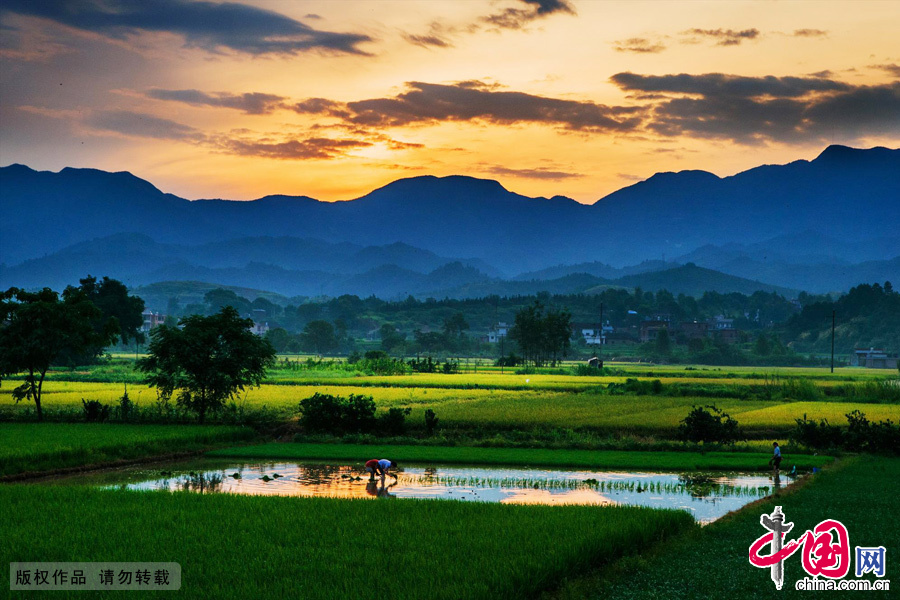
(820, 225)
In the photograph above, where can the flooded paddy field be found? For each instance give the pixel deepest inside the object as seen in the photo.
(706, 496)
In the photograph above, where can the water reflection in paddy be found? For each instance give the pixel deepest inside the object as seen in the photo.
(707, 496)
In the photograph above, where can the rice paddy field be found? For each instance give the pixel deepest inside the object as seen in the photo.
(764, 404)
(232, 546)
(244, 546)
(38, 447)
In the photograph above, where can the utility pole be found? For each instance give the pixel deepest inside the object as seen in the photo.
(833, 312)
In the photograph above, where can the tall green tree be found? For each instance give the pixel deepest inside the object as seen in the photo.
(38, 328)
(542, 334)
(207, 360)
(111, 297)
(318, 336)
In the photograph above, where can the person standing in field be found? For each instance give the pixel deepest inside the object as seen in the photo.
(776, 457)
(379, 467)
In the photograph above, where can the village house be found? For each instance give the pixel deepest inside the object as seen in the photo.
(873, 358)
(497, 331)
(592, 333)
(151, 320)
(650, 330)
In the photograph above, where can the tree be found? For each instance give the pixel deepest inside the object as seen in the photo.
(455, 325)
(111, 297)
(37, 328)
(318, 336)
(542, 334)
(280, 339)
(663, 342)
(391, 339)
(207, 360)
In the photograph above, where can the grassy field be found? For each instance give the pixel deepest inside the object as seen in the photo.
(726, 461)
(712, 562)
(498, 408)
(253, 547)
(43, 446)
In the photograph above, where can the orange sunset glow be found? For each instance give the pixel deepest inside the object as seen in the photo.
(333, 99)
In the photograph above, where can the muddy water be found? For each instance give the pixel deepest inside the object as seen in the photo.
(707, 496)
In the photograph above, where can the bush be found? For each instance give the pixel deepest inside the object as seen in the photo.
(864, 436)
(94, 411)
(394, 422)
(817, 436)
(126, 407)
(636, 386)
(509, 361)
(708, 426)
(431, 421)
(335, 414)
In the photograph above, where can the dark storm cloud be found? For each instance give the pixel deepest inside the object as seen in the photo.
(536, 173)
(638, 45)
(426, 103)
(722, 37)
(311, 148)
(750, 110)
(517, 18)
(251, 103)
(142, 125)
(208, 25)
(727, 85)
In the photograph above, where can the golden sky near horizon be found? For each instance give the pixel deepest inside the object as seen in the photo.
(334, 99)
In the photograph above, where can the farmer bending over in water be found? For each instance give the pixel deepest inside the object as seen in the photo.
(379, 467)
(776, 458)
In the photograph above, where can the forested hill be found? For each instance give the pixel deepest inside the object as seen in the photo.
(867, 316)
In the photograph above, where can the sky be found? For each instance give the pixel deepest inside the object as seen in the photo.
(333, 99)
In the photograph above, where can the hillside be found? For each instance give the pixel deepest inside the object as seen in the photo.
(818, 225)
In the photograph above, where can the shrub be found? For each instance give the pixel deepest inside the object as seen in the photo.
(322, 412)
(394, 422)
(801, 389)
(708, 426)
(94, 411)
(509, 361)
(126, 407)
(817, 436)
(636, 386)
(431, 421)
(358, 414)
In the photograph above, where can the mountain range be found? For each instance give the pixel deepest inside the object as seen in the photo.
(821, 225)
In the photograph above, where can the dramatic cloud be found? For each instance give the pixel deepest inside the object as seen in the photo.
(252, 103)
(141, 125)
(889, 69)
(427, 40)
(312, 148)
(751, 110)
(722, 37)
(536, 173)
(428, 103)
(517, 18)
(638, 45)
(713, 84)
(209, 25)
(810, 33)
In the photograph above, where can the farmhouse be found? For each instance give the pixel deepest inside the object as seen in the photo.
(498, 331)
(151, 320)
(873, 359)
(650, 330)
